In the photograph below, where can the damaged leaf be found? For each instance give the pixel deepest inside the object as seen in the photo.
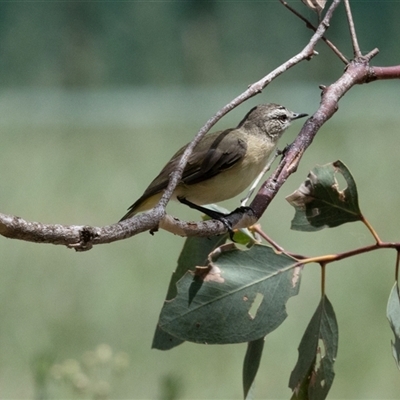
(224, 309)
(194, 253)
(313, 374)
(319, 203)
(393, 315)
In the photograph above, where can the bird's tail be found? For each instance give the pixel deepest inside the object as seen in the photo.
(142, 204)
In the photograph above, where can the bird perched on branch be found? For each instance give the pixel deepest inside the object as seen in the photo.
(224, 163)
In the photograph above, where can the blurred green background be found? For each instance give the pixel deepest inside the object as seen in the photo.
(95, 97)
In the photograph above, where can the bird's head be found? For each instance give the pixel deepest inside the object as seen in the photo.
(272, 119)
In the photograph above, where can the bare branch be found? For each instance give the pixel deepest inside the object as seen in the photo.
(356, 47)
(309, 25)
(381, 73)
(78, 237)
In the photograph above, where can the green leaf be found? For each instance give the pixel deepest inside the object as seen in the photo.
(393, 315)
(301, 392)
(251, 363)
(194, 253)
(319, 202)
(244, 236)
(217, 304)
(164, 341)
(313, 374)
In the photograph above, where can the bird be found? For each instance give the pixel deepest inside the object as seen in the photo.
(224, 163)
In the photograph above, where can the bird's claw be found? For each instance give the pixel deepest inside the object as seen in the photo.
(219, 216)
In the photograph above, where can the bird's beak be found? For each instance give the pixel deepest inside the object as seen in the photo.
(297, 116)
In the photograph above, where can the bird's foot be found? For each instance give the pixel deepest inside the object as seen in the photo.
(242, 210)
(284, 150)
(219, 216)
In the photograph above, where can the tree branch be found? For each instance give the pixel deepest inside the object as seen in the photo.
(356, 47)
(254, 89)
(84, 237)
(358, 72)
(381, 73)
(313, 28)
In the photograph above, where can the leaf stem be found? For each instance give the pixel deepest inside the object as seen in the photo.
(325, 259)
(371, 229)
(323, 274)
(257, 228)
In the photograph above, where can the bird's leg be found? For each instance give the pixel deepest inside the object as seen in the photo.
(211, 213)
(219, 216)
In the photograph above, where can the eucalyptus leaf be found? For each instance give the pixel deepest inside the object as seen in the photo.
(393, 315)
(194, 253)
(319, 203)
(313, 374)
(251, 363)
(216, 304)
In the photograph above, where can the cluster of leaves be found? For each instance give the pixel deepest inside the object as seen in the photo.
(237, 292)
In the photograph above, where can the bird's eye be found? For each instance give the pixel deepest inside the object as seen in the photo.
(283, 117)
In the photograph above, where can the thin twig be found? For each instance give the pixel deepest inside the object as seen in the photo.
(356, 47)
(325, 259)
(309, 25)
(257, 228)
(372, 53)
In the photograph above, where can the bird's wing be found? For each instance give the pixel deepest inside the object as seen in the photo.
(210, 157)
(224, 152)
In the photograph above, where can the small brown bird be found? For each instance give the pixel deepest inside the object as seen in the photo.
(224, 163)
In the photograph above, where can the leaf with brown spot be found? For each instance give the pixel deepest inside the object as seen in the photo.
(320, 203)
(209, 274)
(244, 301)
(313, 374)
(194, 253)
